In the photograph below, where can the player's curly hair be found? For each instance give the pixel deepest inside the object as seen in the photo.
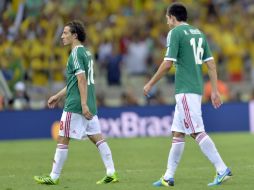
(76, 27)
(178, 10)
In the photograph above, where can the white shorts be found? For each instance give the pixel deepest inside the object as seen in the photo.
(188, 114)
(76, 126)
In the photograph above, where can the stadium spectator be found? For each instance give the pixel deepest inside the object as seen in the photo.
(100, 99)
(222, 88)
(128, 98)
(79, 118)
(187, 48)
(21, 99)
(113, 65)
(12, 67)
(137, 55)
(104, 51)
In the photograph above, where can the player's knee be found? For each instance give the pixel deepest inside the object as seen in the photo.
(63, 140)
(96, 138)
(193, 135)
(178, 134)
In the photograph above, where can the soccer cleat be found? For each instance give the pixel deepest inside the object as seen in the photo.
(46, 180)
(108, 179)
(163, 182)
(221, 178)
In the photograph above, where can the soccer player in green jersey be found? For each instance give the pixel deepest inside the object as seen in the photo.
(79, 119)
(187, 49)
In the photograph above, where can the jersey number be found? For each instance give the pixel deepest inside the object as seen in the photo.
(198, 51)
(90, 79)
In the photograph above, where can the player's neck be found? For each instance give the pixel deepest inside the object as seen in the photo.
(75, 43)
(179, 23)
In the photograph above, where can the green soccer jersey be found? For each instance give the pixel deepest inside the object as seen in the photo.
(187, 47)
(79, 61)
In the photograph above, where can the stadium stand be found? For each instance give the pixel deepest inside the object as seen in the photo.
(31, 50)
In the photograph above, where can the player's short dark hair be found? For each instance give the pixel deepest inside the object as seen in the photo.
(76, 27)
(178, 10)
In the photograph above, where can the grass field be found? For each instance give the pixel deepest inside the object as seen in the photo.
(139, 162)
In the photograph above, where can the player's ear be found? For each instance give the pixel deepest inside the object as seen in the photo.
(75, 35)
(174, 19)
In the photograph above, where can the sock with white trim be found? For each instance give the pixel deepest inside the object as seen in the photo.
(59, 159)
(208, 148)
(174, 157)
(106, 156)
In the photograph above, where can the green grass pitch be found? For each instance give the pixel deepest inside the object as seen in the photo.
(139, 162)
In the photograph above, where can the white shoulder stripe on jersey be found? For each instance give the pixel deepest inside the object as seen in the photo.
(76, 63)
(169, 38)
(75, 58)
(208, 59)
(79, 71)
(169, 59)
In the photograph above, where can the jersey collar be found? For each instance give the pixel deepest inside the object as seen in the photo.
(77, 46)
(184, 23)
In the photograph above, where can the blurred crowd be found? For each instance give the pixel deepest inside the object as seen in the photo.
(127, 38)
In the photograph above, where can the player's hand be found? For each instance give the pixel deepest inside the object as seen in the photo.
(147, 89)
(52, 101)
(85, 111)
(216, 100)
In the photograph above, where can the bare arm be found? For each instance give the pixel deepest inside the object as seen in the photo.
(163, 69)
(82, 85)
(62, 92)
(53, 100)
(215, 95)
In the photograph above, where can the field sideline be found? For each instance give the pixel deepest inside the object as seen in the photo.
(139, 162)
